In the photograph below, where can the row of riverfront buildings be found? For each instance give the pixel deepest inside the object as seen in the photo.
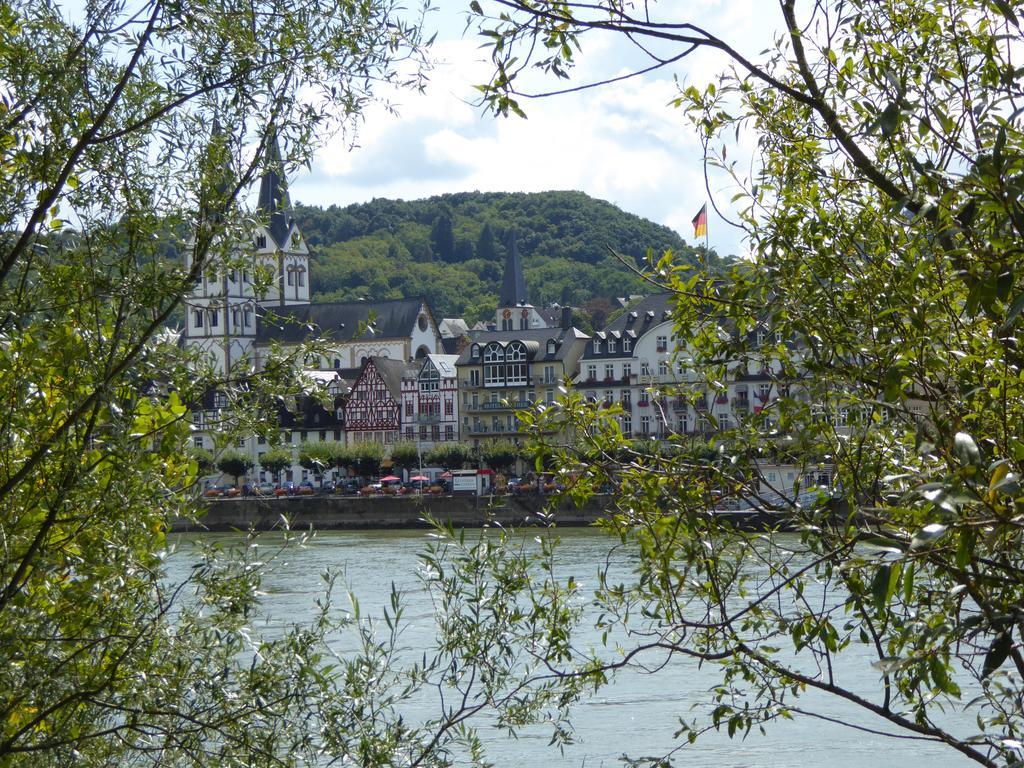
(396, 372)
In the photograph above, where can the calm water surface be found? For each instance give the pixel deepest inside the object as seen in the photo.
(635, 715)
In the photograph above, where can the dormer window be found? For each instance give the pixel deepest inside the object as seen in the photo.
(597, 346)
(551, 346)
(611, 345)
(627, 344)
(474, 351)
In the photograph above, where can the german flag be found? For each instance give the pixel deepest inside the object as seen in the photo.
(700, 222)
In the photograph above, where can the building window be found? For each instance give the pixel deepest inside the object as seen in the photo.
(408, 409)
(663, 367)
(549, 396)
(214, 318)
(291, 277)
(248, 318)
(232, 276)
(551, 346)
(645, 369)
(261, 241)
(627, 370)
(611, 345)
(597, 346)
(197, 441)
(515, 370)
(627, 344)
(300, 277)
(449, 407)
(662, 343)
(609, 371)
(645, 425)
(197, 318)
(449, 432)
(627, 425)
(408, 433)
(591, 372)
(474, 352)
(494, 357)
(474, 378)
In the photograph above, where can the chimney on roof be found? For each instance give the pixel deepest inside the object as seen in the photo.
(566, 317)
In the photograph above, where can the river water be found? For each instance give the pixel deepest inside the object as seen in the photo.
(636, 715)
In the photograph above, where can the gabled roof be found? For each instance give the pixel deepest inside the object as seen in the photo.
(392, 372)
(340, 321)
(445, 365)
(534, 338)
(634, 322)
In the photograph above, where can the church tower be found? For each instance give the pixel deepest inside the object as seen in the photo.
(221, 310)
(515, 313)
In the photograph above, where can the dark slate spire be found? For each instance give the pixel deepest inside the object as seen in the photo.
(274, 205)
(513, 284)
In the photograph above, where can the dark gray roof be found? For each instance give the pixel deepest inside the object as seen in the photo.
(274, 206)
(513, 283)
(339, 321)
(536, 342)
(634, 322)
(392, 372)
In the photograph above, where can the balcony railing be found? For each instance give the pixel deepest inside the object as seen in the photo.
(741, 403)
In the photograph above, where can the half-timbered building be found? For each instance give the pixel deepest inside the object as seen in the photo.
(430, 401)
(374, 408)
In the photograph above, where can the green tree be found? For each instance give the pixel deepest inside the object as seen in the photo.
(233, 463)
(442, 238)
(405, 454)
(485, 248)
(450, 455)
(368, 456)
(203, 459)
(276, 460)
(317, 457)
(882, 310)
(499, 455)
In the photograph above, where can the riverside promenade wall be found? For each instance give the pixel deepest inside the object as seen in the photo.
(383, 512)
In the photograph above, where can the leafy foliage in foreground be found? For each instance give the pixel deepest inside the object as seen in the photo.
(884, 211)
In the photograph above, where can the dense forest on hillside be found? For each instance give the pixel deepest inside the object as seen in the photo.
(452, 248)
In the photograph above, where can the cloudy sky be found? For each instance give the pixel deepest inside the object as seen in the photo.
(621, 143)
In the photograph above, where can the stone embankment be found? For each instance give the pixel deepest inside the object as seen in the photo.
(383, 512)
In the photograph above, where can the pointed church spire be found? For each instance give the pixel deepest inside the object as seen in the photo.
(274, 205)
(513, 284)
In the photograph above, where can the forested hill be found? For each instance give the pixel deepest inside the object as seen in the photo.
(451, 249)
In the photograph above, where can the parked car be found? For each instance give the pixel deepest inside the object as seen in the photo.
(264, 489)
(305, 489)
(287, 488)
(221, 491)
(327, 486)
(347, 487)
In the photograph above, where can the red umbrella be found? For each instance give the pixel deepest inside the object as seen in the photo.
(446, 475)
(418, 479)
(390, 479)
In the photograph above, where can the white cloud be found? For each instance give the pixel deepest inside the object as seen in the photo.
(622, 143)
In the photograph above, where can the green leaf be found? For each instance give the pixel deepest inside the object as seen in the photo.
(889, 120)
(998, 651)
(928, 535)
(965, 449)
